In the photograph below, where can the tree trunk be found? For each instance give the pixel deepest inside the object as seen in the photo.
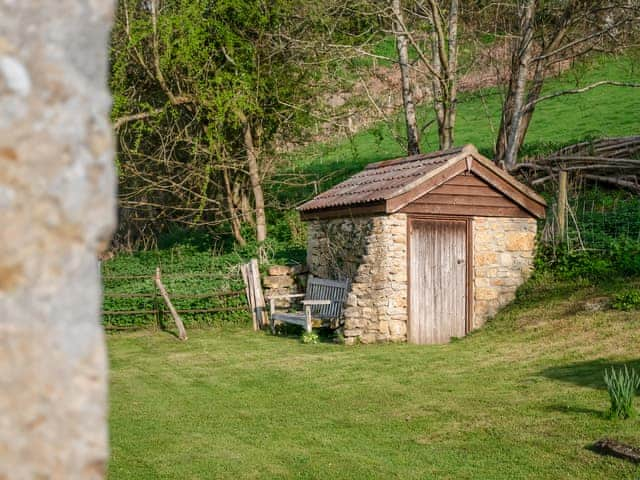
(236, 227)
(444, 46)
(254, 177)
(438, 94)
(511, 133)
(452, 80)
(402, 44)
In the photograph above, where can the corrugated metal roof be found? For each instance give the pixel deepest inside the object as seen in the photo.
(383, 180)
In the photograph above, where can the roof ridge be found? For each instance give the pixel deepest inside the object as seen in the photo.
(416, 158)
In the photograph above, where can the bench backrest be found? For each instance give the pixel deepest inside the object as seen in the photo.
(321, 289)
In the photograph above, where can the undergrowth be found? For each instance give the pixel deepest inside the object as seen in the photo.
(627, 300)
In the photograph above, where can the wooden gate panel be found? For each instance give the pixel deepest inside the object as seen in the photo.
(438, 280)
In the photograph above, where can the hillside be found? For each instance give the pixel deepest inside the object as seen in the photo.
(602, 112)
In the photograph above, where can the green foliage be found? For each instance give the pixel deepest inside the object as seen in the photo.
(309, 338)
(622, 385)
(221, 68)
(627, 300)
(569, 264)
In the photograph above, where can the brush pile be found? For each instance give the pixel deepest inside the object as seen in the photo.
(613, 161)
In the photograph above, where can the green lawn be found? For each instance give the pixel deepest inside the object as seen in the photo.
(521, 398)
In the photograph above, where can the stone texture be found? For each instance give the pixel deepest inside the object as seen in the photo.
(57, 211)
(282, 281)
(277, 281)
(279, 270)
(503, 250)
(372, 253)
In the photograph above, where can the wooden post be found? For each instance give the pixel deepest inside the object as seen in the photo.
(261, 312)
(247, 277)
(182, 333)
(562, 206)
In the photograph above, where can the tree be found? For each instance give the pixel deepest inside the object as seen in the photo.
(440, 64)
(402, 46)
(548, 33)
(200, 92)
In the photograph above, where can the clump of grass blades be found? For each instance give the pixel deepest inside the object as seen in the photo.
(622, 385)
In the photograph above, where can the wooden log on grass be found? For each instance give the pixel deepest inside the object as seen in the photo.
(618, 449)
(182, 333)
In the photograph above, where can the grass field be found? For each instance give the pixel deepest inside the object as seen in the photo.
(522, 398)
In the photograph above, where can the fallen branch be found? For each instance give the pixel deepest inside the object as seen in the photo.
(615, 181)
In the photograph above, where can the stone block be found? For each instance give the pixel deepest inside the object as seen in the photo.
(397, 328)
(482, 259)
(368, 337)
(352, 300)
(486, 293)
(277, 282)
(506, 260)
(519, 241)
(279, 270)
(58, 210)
(382, 338)
(352, 312)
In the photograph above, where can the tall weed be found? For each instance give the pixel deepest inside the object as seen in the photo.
(622, 385)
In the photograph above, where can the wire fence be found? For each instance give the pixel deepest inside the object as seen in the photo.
(596, 217)
(133, 301)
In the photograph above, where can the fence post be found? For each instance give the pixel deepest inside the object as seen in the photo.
(182, 333)
(562, 206)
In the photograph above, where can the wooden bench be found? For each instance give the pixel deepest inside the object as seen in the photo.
(323, 301)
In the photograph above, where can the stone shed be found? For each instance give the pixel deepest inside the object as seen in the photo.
(433, 244)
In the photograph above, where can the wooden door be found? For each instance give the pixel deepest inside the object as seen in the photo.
(437, 280)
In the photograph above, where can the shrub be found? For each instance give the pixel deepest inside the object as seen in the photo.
(621, 385)
(618, 257)
(309, 338)
(628, 300)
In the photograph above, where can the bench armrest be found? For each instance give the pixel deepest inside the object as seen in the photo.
(317, 302)
(278, 297)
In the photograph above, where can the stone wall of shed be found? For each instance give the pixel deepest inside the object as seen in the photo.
(372, 253)
(503, 251)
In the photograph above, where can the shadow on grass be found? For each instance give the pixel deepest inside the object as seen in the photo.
(586, 374)
(576, 410)
(294, 333)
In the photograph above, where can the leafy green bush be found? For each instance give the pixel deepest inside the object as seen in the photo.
(309, 338)
(618, 257)
(628, 300)
(622, 386)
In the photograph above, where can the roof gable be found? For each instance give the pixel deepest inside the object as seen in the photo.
(393, 184)
(465, 194)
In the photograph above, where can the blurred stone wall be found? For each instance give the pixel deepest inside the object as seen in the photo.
(57, 211)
